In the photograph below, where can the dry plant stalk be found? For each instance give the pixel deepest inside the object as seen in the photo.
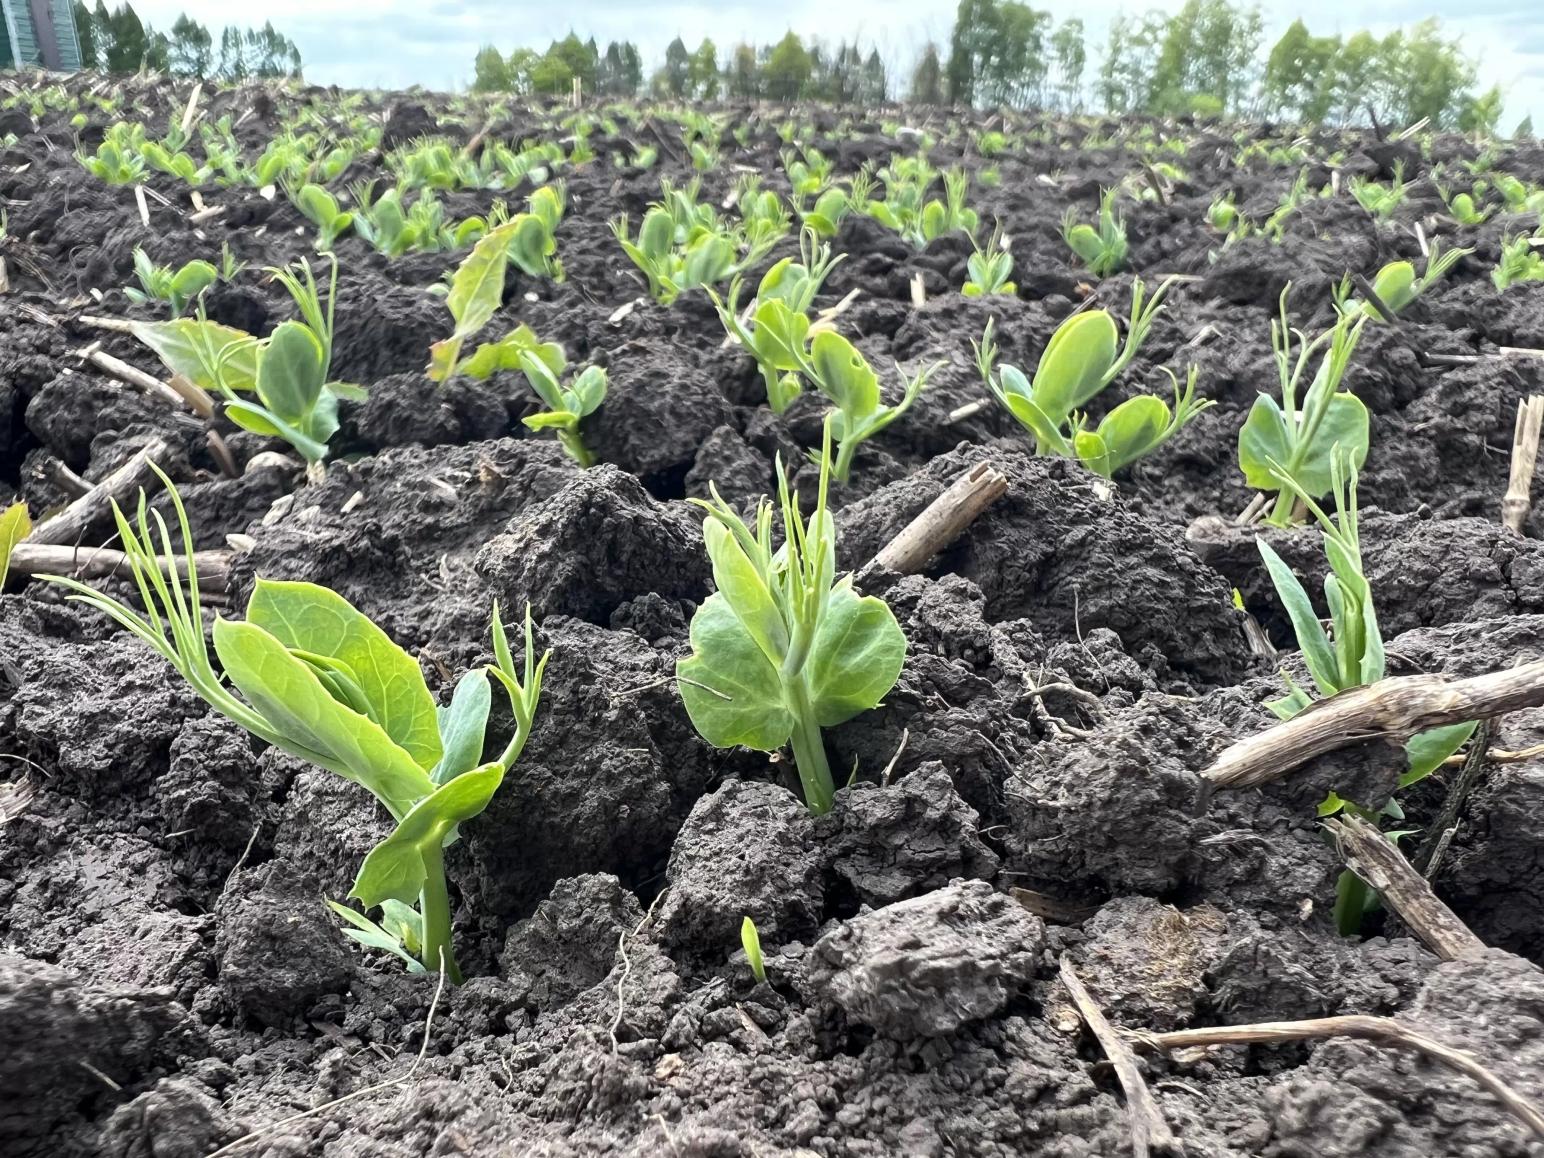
(1378, 861)
(944, 519)
(69, 524)
(1525, 456)
(1379, 1030)
(1395, 708)
(1149, 1130)
(29, 558)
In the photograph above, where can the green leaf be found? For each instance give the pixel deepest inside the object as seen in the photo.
(1311, 640)
(1263, 441)
(732, 692)
(193, 279)
(856, 657)
(781, 335)
(291, 371)
(844, 375)
(463, 725)
(286, 692)
(395, 869)
(588, 391)
(1073, 368)
(1395, 286)
(552, 420)
(1427, 750)
(745, 589)
(1345, 425)
(1131, 430)
(372, 936)
(305, 617)
(15, 525)
(196, 348)
(476, 292)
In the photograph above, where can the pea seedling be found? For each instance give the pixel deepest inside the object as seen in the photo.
(1299, 441)
(783, 649)
(161, 283)
(1103, 249)
(989, 269)
(1397, 285)
(1083, 357)
(750, 941)
(15, 525)
(319, 680)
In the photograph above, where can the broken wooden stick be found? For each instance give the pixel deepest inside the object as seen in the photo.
(1525, 456)
(69, 524)
(1149, 1129)
(178, 392)
(1377, 860)
(101, 562)
(944, 519)
(1396, 708)
(1379, 1030)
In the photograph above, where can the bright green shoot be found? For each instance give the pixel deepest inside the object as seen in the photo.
(1378, 199)
(750, 941)
(844, 376)
(1521, 260)
(774, 329)
(160, 283)
(783, 648)
(15, 525)
(1349, 655)
(567, 404)
(1102, 249)
(319, 680)
(1397, 285)
(321, 209)
(1299, 438)
(988, 269)
(1083, 357)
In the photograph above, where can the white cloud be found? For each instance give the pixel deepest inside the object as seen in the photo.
(396, 43)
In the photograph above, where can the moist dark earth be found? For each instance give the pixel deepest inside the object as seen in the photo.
(171, 982)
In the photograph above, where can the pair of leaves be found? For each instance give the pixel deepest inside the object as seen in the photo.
(845, 377)
(735, 695)
(566, 405)
(1268, 439)
(321, 207)
(1135, 428)
(1355, 657)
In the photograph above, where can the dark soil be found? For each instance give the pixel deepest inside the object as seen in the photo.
(170, 980)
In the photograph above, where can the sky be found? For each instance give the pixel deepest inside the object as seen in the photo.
(397, 43)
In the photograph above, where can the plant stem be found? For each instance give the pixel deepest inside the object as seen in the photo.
(576, 449)
(434, 905)
(809, 751)
(844, 455)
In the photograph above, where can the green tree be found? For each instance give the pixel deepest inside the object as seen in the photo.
(85, 34)
(1299, 80)
(745, 73)
(127, 51)
(873, 83)
(674, 79)
(702, 72)
(927, 79)
(233, 55)
(580, 58)
(788, 69)
(1070, 56)
(490, 71)
(102, 35)
(621, 70)
(551, 76)
(190, 51)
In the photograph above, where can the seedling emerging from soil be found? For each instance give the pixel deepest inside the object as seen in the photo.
(777, 327)
(783, 648)
(1397, 284)
(321, 209)
(277, 386)
(161, 283)
(750, 941)
(319, 680)
(1348, 656)
(989, 269)
(1103, 249)
(906, 208)
(1282, 438)
(1520, 261)
(682, 245)
(1081, 359)
(566, 405)
(844, 376)
(1378, 199)
(15, 525)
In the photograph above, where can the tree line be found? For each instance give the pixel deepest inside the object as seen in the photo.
(1206, 58)
(119, 42)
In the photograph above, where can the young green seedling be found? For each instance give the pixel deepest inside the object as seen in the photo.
(1348, 656)
(783, 648)
(844, 376)
(277, 386)
(1521, 260)
(750, 941)
(1103, 249)
(567, 405)
(1300, 440)
(161, 283)
(1378, 199)
(321, 209)
(774, 329)
(1397, 285)
(681, 244)
(1083, 357)
(989, 269)
(319, 680)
